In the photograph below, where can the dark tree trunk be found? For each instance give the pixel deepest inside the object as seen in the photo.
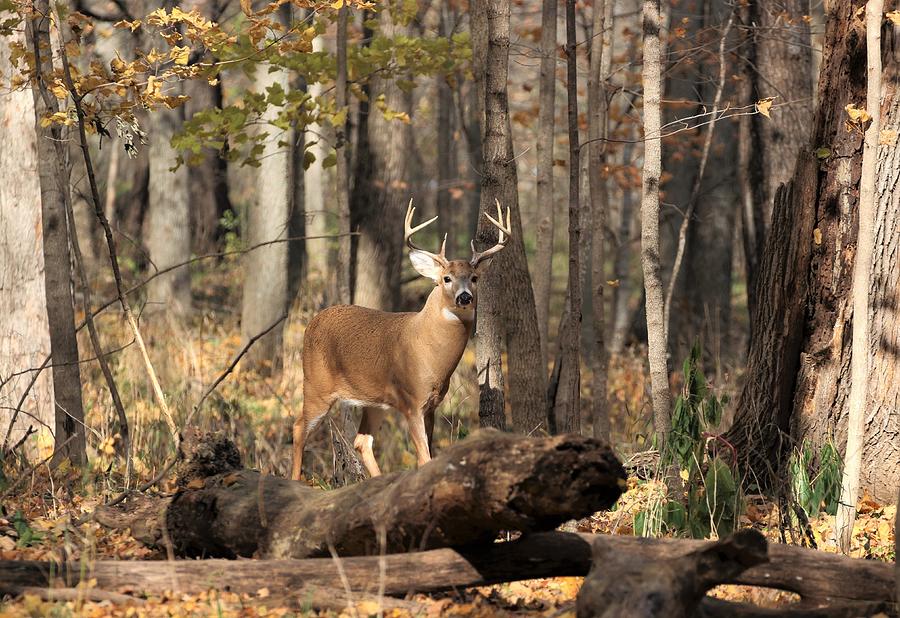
(565, 387)
(54, 181)
(798, 372)
(506, 298)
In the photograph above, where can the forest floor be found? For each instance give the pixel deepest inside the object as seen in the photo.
(36, 524)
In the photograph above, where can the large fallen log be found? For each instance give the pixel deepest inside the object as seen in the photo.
(819, 578)
(490, 482)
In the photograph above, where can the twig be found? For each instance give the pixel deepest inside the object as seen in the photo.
(15, 414)
(18, 443)
(156, 479)
(233, 364)
(110, 242)
(695, 190)
(340, 569)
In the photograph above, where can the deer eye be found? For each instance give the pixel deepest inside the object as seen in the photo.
(447, 279)
(474, 278)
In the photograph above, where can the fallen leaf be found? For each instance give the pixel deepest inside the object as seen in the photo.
(857, 115)
(817, 236)
(764, 105)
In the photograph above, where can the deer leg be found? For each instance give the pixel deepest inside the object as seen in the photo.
(314, 408)
(421, 428)
(365, 436)
(429, 428)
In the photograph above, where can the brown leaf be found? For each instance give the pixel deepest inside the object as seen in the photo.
(764, 105)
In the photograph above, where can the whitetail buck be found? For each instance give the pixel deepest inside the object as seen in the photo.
(385, 360)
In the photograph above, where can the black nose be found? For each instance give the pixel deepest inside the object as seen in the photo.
(464, 299)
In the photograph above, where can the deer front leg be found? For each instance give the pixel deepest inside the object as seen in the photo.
(421, 428)
(365, 436)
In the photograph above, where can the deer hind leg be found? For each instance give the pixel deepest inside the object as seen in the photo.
(365, 436)
(314, 408)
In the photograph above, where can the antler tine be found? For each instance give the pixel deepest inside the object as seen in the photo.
(505, 235)
(409, 230)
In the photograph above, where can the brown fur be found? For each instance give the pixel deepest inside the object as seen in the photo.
(398, 360)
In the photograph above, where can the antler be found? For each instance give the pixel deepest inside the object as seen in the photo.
(505, 233)
(409, 230)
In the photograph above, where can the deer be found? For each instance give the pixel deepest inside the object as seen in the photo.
(403, 361)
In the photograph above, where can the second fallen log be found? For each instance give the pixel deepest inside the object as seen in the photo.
(490, 482)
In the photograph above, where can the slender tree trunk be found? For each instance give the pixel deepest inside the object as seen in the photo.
(342, 173)
(565, 416)
(598, 119)
(656, 336)
(168, 233)
(54, 181)
(543, 259)
(266, 269)
(622, 314)
(800, 358)
(859, 293)
(24, 338)
(314, 187)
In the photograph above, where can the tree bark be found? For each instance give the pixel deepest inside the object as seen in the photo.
(314, 187)
(543, 259)
(859, 292)
(490, 482)
(798, 374)
(673, 587)
(565, 415)
(506, 297)
(827, 578)
(342, 171)
(24, 338)
(622, 313)
(381, 191)
(598, 120)
(656, 336)
(266, 269)
(167, 230)
(54, 180)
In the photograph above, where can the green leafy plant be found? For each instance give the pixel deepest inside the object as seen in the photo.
(816, 482)
(27, 536)
(712, 500)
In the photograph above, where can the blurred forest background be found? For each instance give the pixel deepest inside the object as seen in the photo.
(251, 163)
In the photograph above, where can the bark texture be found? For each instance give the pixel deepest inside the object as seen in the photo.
(798, 372)
(54, 181)
(828, 579)
(490, 482)
(506, 298)
(673, 587)
(167, 228)
(543, 259)
(24, 338)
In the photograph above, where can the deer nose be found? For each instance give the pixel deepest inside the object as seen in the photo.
(464, 299)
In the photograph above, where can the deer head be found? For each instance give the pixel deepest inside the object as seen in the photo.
(458, 279)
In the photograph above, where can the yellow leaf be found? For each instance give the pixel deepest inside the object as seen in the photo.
(685, 475)
(337, 4)
(613, 283)
(180, 55)
(764, 105)
(817, 236)
(247, 7)
(857, 114)
(894, 16)
(262, 593)
(887, 137)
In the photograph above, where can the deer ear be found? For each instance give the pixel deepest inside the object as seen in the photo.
(425, 264)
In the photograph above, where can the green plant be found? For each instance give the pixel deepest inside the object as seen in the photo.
(816, 484)
(712, 500)
(27, 536)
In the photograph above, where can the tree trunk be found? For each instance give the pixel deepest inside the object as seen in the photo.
(167, 229)
(798, 374)
(315, 189)
(565, 415)
(266, 269)
(506, 298)
(24, 338)
(543, 259)
(622, 313)
(342, 173)
(598, 119)
(54, 180)
(490, 482)
(776, 66)
(656, 336)
(381, 191)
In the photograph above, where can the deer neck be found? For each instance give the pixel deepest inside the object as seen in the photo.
(440, 332)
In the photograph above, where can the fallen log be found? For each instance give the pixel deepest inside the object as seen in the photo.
(673, 587)
(490, 482)
(819, 578)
